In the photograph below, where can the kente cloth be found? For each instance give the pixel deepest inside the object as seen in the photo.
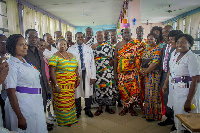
(153, 103)
(128, 74)
(64, 101)
(90, 42)
(105, 90)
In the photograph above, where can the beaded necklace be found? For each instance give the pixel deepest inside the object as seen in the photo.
(64, 56)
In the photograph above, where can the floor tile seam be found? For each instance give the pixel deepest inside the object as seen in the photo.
(98, 128)
(114, 121)
(138, 129)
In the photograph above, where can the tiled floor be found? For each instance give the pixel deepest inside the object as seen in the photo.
(112, 123)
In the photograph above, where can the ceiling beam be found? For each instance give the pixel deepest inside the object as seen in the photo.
(183, 15)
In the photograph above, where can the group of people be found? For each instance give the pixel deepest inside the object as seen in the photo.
(159, 75)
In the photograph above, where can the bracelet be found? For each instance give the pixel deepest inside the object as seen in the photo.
(56, 85)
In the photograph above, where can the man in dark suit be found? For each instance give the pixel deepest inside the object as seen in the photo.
(167, 50)
(35, 57)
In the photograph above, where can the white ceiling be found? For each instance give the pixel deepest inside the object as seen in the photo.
(106, 12)
(83, 12)
(155, 11)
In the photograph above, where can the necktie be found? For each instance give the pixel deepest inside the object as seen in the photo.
(81, 56)
(166, 58)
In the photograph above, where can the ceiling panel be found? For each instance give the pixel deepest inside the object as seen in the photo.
(83, 12)
(157, 10)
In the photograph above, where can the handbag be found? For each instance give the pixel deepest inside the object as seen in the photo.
(146, 63)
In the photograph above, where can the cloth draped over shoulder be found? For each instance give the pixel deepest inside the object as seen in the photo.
(128, 74)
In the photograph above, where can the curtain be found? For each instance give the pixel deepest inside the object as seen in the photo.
(170, 23)
(45, 24)
(13, 18)
(3, 15)
(187, 24)
(39, 24)
(28, 18)
(180, 24)
(195, 21)
(54, 26)
(64, 29)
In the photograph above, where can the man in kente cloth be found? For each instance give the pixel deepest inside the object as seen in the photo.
(127, 61)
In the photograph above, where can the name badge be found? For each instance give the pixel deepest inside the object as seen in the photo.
(182, 85)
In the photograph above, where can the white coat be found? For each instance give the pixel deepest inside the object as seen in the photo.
(90, 70)
(186, 66)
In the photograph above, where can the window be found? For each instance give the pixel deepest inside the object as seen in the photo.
(3, 17)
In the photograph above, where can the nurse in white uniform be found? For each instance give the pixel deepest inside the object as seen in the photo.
(24, 105)
(184, 71)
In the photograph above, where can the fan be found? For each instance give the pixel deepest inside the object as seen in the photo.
(169, 11)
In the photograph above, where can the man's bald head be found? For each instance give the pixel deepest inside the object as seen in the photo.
(88, 33)
(68, 36)
(3, 39)
(99, 37)
(127, 34)
(165, 32)
(113, 36)
(106, 35)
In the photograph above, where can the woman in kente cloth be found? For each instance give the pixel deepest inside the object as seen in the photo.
(64, 75)
(151, 70)
(127, 62)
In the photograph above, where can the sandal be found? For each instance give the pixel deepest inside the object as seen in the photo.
(133, 113)
(123, 112)
(109, 110)
(98, 112)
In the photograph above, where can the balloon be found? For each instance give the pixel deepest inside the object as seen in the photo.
(127, 25)
(124, 21)
(134, 20)
(119, 33)
(122, 25)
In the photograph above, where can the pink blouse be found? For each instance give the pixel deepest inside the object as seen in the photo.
(46, 68)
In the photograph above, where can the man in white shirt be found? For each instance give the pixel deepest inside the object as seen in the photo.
(50, 50)
(87, 72)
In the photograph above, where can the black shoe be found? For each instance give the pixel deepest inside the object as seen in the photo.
(49, 128)
(168, 121)
(186, 131)
(78, 114)
(120, 104)
(173, 128)
(89, 113)
(150, 120)
(50, 125)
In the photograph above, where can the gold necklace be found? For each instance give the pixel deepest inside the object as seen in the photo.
(64, 56)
